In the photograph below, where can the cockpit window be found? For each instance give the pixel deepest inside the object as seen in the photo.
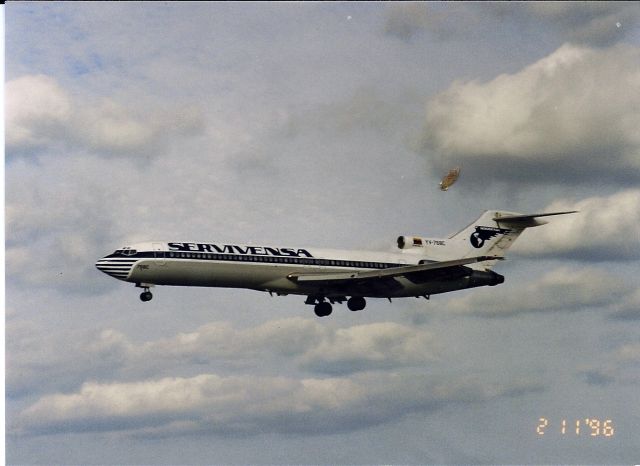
(126, 252)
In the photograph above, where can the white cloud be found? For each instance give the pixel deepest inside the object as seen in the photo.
(559, 290)
(605, 228)
(41, 113)
(303, 343)
(251, 405)
(310, 344)
(45, 362)
(60, 220)
(372, 346)
(37, 111)
(569, 117)
(220, 341)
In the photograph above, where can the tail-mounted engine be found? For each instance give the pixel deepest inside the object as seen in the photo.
(433, 248)
(409, 242)
(416, 242)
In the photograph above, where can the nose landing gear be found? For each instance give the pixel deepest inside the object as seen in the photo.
(146, 295)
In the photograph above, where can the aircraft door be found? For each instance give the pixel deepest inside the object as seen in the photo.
(159, 253)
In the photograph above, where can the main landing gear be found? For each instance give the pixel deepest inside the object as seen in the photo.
(323, 308)
(356, 303)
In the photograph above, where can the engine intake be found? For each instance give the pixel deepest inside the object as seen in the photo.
(409, 242)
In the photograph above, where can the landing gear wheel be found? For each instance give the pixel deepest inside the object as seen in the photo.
(323, 309)
(146, 296)
(356, 303)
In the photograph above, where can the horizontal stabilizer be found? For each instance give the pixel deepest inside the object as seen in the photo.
(528, 220)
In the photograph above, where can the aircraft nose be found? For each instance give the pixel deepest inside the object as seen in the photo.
(115, 267)
(101, 264)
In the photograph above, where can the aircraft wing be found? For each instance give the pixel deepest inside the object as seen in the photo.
(415, 273)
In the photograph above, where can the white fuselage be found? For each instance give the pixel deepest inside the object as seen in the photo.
(260, 268)
(421, 266)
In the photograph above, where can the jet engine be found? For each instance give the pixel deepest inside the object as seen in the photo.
(410, 242)
(486, 278)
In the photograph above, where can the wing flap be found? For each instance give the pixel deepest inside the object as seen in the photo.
(355, 277)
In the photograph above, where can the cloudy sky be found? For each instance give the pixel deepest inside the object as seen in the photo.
(328, 125)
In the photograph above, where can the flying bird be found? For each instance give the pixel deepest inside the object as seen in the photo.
(449, 179)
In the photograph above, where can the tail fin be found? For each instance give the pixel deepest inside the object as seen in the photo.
(492, 234)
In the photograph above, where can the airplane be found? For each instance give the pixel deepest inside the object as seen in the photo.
(421, 267)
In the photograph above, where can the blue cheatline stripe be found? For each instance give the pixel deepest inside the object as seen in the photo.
(205, 256)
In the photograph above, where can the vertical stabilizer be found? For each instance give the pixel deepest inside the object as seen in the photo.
(492, 234)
